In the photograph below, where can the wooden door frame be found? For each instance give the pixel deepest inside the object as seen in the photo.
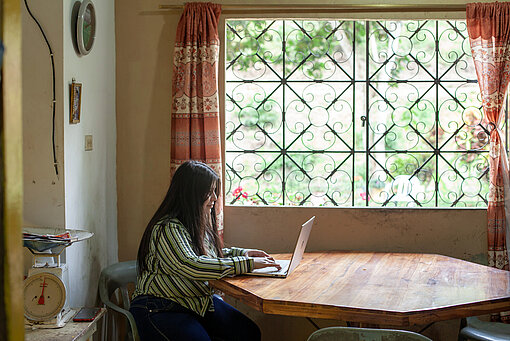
(11, 164)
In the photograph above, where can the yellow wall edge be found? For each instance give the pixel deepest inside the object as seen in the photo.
(13, 176)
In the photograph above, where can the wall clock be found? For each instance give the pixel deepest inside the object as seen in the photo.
(86, 27)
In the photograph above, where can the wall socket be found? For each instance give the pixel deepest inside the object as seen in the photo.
(88, 142)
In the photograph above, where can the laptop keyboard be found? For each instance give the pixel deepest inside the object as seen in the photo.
(272, 270)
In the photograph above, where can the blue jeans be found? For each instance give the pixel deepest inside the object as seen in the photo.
(162, 319)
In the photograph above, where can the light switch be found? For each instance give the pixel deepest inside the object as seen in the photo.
(88, 142)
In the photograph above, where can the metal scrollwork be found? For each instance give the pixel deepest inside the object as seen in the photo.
(353, 113)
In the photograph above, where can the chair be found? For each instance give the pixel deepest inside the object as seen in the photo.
(473, 328)
(117, 276)
(364, 334)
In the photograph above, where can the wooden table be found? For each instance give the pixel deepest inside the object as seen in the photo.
(392, 289)
(72, 331)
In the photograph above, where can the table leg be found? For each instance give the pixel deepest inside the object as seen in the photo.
(314, 324)
(425, 328)
(88, 335)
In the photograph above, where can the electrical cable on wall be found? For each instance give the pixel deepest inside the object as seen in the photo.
(53, 86)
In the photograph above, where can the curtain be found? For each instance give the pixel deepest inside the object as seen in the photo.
(489, 33)
(195, 110)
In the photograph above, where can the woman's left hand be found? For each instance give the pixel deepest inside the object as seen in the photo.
(257, 253)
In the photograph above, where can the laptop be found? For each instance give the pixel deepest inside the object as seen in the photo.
(288, 266)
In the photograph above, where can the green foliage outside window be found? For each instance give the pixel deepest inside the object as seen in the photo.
(353, 113)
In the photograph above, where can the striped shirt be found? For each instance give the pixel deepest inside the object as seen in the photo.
(177, 273)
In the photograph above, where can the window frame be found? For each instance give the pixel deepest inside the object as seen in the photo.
(317, 16)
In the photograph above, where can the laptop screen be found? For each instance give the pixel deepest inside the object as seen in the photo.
(301, 244)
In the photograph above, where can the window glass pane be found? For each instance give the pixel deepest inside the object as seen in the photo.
(353, 113)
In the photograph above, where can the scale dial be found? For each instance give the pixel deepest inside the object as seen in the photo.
(44, 295)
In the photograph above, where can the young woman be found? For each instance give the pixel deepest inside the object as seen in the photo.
(179, 253)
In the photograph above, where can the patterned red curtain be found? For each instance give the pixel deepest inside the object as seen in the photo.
(489, 35)
(195, 120)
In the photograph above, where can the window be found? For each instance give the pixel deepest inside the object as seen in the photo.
(353, 113)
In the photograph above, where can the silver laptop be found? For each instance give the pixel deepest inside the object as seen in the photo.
(288, 266)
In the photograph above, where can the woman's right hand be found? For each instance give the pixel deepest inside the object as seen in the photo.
(265, 262)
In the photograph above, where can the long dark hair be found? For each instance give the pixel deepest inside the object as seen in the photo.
(190, 187)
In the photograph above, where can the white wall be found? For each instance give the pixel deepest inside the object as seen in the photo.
(84, 195)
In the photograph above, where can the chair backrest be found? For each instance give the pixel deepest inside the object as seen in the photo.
(364, 334)
(118, 276)
(472, 328)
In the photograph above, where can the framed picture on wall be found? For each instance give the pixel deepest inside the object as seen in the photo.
(75, 110)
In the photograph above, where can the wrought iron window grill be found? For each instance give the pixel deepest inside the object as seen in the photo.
(353, 113)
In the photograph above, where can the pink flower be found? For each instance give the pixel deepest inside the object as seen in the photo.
(237, 191)
(245, 195)
(363, 196)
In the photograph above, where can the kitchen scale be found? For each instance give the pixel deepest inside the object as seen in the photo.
(45, 289)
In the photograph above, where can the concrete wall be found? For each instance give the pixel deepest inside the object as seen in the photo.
(459, 233)
(43, 189)
(144, 37)
(83, 196)
(144, 47)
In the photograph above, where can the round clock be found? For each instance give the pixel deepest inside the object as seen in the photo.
(44, 295)
(86, 27)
